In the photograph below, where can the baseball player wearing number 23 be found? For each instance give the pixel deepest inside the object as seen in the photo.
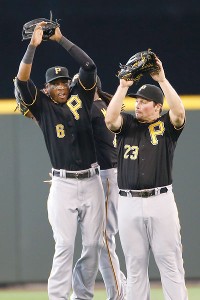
(63, 112)
(147, 212)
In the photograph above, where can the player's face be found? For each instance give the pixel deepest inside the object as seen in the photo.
(59, 90)
(146, 111)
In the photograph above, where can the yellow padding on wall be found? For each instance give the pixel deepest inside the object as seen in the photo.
(7, 107)
(191, 102)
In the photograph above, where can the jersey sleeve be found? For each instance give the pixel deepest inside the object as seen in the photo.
(87, 79)
(28, 91)
(87, 72)
(127, 121)
(173, 131)
(30, 96)
(86, 84)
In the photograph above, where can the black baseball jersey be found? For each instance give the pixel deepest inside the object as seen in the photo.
(105, 140)
(145, 152)
(67, 128)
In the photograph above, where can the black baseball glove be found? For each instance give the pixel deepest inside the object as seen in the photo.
(48, 29)
(139, 64)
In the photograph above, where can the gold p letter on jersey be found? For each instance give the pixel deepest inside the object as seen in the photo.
(57, 70)
(74, 103)
(155, 129)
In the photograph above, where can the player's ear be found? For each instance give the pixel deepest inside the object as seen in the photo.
(157, 106)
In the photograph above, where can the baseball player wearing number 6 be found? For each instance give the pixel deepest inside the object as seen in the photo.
(63, 112)
(147, 212)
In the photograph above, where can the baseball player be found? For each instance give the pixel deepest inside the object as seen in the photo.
(105, 143)
(76, 195)
(148, 216)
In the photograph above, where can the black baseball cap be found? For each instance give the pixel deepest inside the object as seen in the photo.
(56, 72)
(149, 92)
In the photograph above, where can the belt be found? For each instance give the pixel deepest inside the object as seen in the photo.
(76, 175)
(144, 193)
(114, 165)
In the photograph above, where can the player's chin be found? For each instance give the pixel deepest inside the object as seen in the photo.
(138, 116)
(61, 100)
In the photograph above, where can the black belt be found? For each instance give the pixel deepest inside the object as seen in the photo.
(77, 175)
(144, 194)
(114, 165)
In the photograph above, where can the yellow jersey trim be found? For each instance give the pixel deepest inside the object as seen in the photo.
(87, 89)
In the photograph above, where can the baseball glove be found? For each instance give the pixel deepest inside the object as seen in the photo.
(48, 29)
(139, 64)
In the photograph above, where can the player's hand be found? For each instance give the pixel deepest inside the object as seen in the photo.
(57, 35)
(125, 83)
(159, 75)
(37, 34)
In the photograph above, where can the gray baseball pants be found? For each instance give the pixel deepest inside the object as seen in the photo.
(114, 279)
(152, 223)
(73, 201)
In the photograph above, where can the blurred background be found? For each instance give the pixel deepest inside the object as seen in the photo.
(110, 32)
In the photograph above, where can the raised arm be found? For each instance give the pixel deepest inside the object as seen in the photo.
(88, 78)
(76, 52)
(177, 111)
(26, 63)
(113, 117)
